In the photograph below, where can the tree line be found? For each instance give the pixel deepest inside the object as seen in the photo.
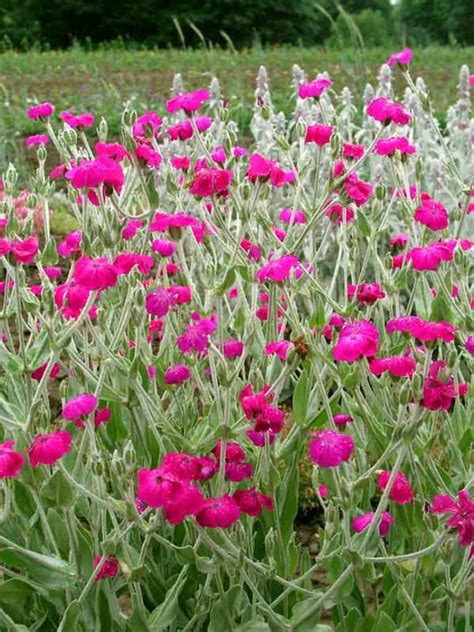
(169, 23)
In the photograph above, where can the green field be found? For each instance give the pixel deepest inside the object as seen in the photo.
(102, 81)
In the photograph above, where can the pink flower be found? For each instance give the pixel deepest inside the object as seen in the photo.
(424, 330)
(314, 89)
(180, 294)
(342, 419)
(53, 272)
(126, 261)
(109, 568)
(318, 134)
(188, 101)
(439, 389)
(355, 340)
(26, 250)
(80, 121)
(277, 270)
(177, 374)
(180, 162)
(95, 274)
(38, 373)
(218, 512)
(164, 247)
(218, 155)
(211, 182)
(11, 461)
(131, 228)
(102, 416)
(41, 111)
(232, 348)
(401, 491)
(429, 257)
(148, 156)
(352, 151)
(367, 293)
(80, 406)
(385, 111)
(185, 467)
(252, 502)
(400, 241)
(237, 472)
(363, 522)
(432, 214)
(5, 246)
(158, 487)
(398, 366)
(388, 146)
(158, 303)
(70, 298)
(403, 58)
(92, 173)
(233, 451)
(115, 151)
(461, 515)
(358, 190)
(262, 169)
(147, 126)
(292, 216)
(330, 448)
(196, 337)
(37, 139)
(163, 221)
(46, 449)
(469, 345)
(338, 214)
(279, 348)
(71, 244)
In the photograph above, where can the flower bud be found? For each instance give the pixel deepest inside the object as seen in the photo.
(70, 137)
(10, 179)
(98, 467)
(282, 142)
(266, 112)
(129, 455)
(300, 129)
(380, 192)
(224, 115)
(103, 130)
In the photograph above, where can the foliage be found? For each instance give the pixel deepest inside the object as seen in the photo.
(227, 306)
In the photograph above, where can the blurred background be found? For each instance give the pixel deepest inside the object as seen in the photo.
(169, 23)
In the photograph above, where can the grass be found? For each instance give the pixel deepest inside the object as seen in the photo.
(103, 81)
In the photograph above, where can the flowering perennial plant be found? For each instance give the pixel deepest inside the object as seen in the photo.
(221, 315)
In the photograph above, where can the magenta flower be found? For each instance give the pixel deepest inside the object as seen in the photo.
(95, 274)
(180, 162)
(38, 373)
(46, 449)
(233, 451)
(185, 467)
(109, 568)
(342, 419)
(262, 169)
(432, 214)
(469, 345)
(37, 139)
(292, 216)
(277, 270)
(189, 102)
(158, 487)
(79, 121)
(158, 303)
(350, 150)
(237, 472)
(232, 348)
(147, 126)
(461, 514)
(102, 416)
(397, 366)
(385, 111)
(388, 146)
(358, 190)
(164, 247)
(11, 461)
(314, 89)
(363, 522)
(318, 134)
(279, 348)
(80, 406)
(176, 374)
(339, 214)
(131, 228)
(26, 250)
(330, 448)
(209, 182)
(252, 502)
(148, 157)
(356, 339)
(439, 389)
(424, 330)
(367, 293)
(403, 58)
(41, 111)
(218, 512)
(401, 491)
(114, 151)
(71, 244)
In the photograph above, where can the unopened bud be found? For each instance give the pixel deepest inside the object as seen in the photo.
(70, 137)
(103, 130)
(224, 115)
(10, 179)
(380, 192)
(266, 112)
(31, 201)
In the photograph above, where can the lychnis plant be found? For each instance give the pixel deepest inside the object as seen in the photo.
(220, 315)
